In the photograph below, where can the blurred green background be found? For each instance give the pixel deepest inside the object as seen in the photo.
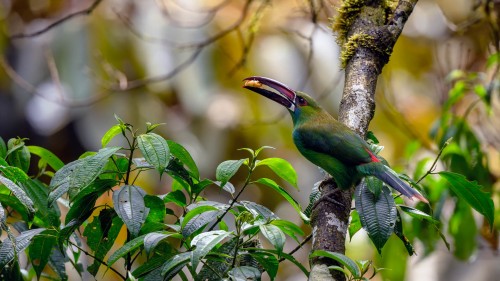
(181, 62)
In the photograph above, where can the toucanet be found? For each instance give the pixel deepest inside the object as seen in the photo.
(328, 143)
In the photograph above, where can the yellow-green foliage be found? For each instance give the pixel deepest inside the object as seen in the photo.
(347, 13)
(390, 4)
(355, 41)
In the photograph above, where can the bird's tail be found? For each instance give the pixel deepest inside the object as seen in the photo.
(391, 178)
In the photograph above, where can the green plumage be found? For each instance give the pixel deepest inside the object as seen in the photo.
(328, 143)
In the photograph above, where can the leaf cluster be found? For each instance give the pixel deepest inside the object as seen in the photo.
(178, 233)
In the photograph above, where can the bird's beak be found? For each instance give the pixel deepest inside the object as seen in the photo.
(271, 89)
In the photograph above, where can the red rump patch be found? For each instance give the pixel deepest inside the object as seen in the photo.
(372, 156)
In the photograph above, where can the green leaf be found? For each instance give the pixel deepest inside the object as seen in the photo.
(289, 228)
(273, 185)
(274, 235)
(150, 127)
(226, 170)
(101, 234)
(313, 197)
(129, 205)
(156, 209)
(229, 187)
(377, 214)
(3, 149)
(38, 192)
(47, 156)
(152, 239)
(471, 193)
(462, 226)
(283, 255)
(259, 210)
(129, 247)
(244, 273)
(199, 217)
(351, 265)
(18, 154)
(19, 193)
(151, 266)
(15, 204)
(493, 59)
(59, 183)
(398, 230)
(176, 197)
(204, 243)
(374, 185)
(14, 173)
(371, 136)
(41, 245)
(98, 187)
(415, 213)
(256, 153)
(175, 264)
(219, 261)
(179, 152)
(339, 268)
(282, 168)
(155, 149)
(269, 262)
(57, 262)
(9, 248)
(79, 174)
(200, 186)
(354, 224)
(110, 134)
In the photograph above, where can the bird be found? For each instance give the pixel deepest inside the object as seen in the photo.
(328, 143)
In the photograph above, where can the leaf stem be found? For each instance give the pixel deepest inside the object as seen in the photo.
(98, 259)
(433, 166)
(212, 269)
(251, 167)
(298, 246)
(132, 149)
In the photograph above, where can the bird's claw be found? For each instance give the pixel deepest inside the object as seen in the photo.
(329, 198)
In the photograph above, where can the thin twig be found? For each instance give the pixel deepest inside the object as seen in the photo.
(433, 166)
(235, 199)
(54, 73)
(85, 12)
(21, 82)
(298, 246)
(138, 83)
(98, 259)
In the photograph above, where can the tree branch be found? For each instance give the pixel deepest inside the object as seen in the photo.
(85, 12)
(367, 35)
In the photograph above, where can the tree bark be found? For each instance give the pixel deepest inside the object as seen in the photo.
(371, 29)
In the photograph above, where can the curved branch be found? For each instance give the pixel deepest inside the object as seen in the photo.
(85, 12)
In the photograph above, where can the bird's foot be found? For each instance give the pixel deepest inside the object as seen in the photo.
(330, 197)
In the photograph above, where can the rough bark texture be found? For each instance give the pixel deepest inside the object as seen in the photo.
(379, 26)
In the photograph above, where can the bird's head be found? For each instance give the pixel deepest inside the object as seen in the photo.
(299, 104)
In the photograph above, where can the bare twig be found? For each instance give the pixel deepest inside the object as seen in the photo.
(21, 82)
(134, 84)
(309, 237)
(433, 166)
(84, 12)
(54, 73)
(98, 259)
(198, 46)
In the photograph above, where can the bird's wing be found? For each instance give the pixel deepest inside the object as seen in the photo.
(335, 140)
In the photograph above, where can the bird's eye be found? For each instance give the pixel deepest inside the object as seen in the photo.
(302, 101)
